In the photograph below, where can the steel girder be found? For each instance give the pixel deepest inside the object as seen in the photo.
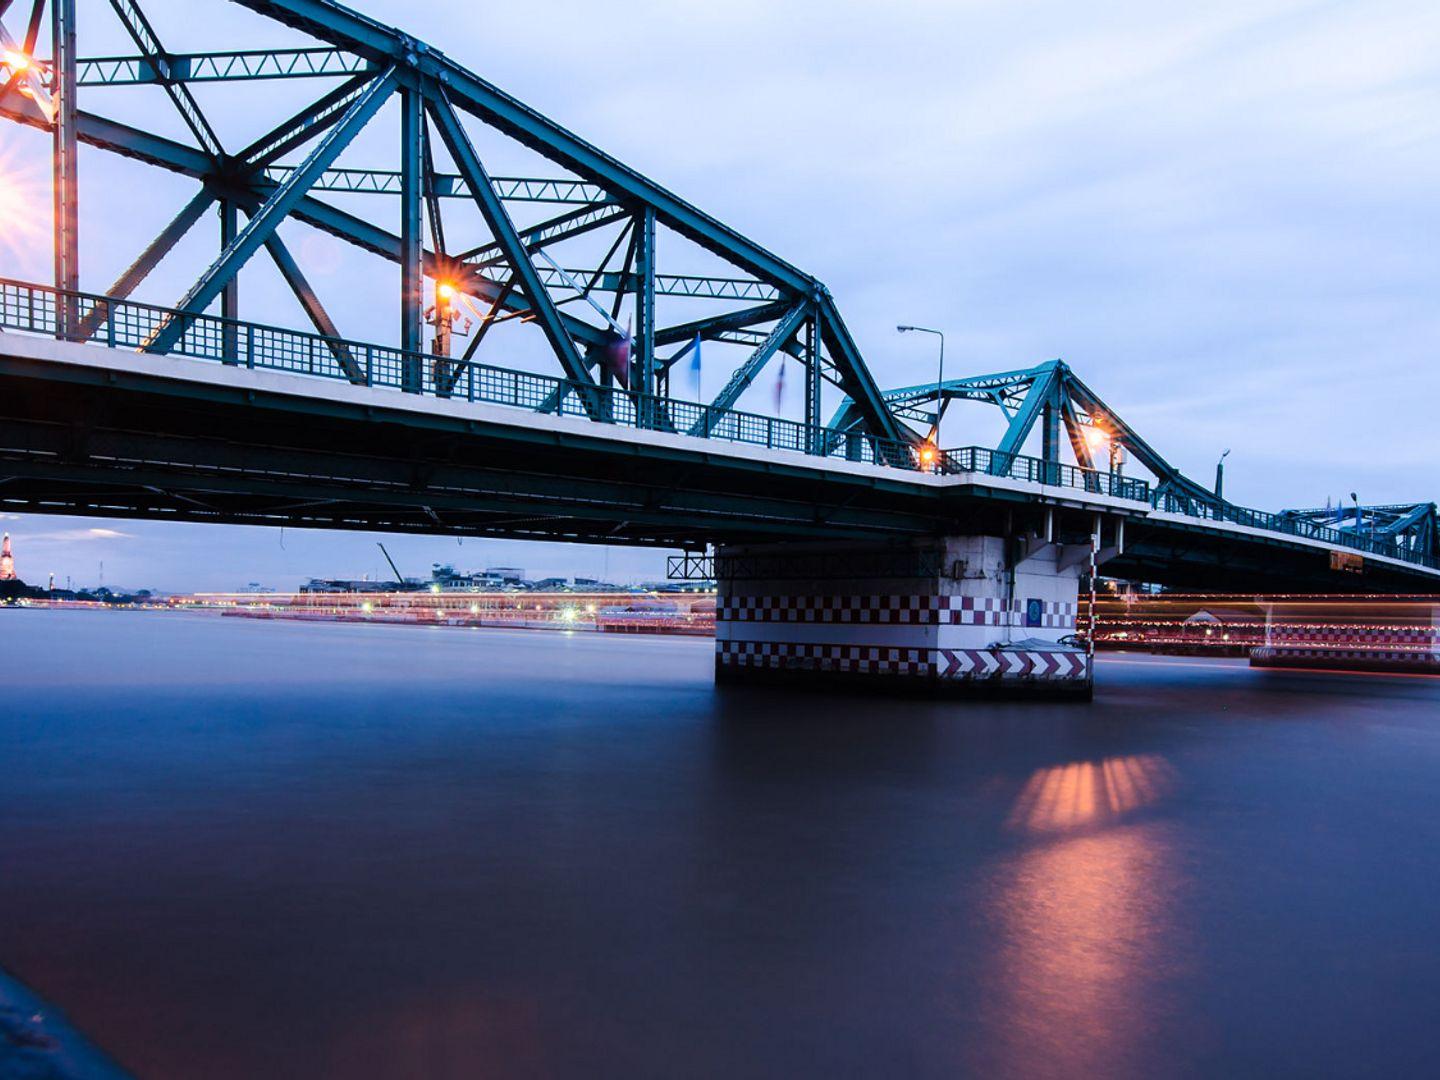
(346, 29)
(1415, 526)
(1050, 394)
(219, 67)
(255, 179)
(351, 181)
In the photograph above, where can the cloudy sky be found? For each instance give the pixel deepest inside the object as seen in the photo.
(1222, 215)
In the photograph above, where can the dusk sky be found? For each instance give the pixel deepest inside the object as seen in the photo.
(1223, 216)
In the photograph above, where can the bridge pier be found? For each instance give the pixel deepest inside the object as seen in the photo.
(958, 616)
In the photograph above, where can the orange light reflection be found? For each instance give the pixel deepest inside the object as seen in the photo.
(1086, 792)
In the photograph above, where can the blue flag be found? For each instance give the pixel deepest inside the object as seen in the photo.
(695, 362)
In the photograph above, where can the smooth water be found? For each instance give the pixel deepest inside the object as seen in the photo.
(245, 849)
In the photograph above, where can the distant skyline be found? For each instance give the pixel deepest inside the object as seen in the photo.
(1222, 216)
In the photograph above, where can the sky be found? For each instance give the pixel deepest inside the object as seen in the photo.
(1221, 215)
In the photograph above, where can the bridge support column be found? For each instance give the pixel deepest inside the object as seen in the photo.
(961, 616)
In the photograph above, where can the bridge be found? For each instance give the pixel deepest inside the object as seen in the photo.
(854, 546)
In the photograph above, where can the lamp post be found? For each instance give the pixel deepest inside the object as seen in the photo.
(1220, 476)
(940, 376)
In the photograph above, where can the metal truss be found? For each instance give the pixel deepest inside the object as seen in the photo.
(447, 185)
(286, 173)
(1412, 526)
(1052, 397)
(219, 67)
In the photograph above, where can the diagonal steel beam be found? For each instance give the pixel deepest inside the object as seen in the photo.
(269, 215)
(462, 151)
(746, 372)
(143, 34)
(561, 227)
(855, 378)
(314, 309)
(303, 126)
(715, 324)
(1167, 476)
(140, 269)
(1041, 393)
(1076, 434)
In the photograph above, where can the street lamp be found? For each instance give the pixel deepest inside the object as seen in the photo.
(1220, 476)
(940, 377)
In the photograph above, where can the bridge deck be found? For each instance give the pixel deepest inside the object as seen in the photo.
(101, 431)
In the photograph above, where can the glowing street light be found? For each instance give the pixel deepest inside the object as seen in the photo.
(940, 374)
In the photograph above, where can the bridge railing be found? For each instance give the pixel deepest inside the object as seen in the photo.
(1037, 470)
(127, 324)
(1291, 525)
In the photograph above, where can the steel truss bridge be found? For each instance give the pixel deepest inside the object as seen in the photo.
(181, 409)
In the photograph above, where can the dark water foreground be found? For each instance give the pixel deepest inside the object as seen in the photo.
(239, 849)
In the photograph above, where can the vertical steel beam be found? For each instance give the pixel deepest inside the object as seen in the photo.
(66, 188)
(412, 270)
(813, 382)
(642, 370)
(230, 295)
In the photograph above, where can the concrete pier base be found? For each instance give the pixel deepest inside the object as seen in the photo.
(960, 616)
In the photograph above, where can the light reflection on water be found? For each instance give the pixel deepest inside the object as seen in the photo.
(1082, 793)
(1084, 921)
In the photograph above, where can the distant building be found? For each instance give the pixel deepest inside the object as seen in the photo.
(7, 561)
(348, 585)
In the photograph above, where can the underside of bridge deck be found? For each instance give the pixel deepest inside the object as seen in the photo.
(207, 444)
(110, 443)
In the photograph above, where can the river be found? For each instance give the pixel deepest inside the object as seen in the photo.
(245, 849)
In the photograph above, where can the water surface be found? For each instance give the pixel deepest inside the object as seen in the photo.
(240, 849)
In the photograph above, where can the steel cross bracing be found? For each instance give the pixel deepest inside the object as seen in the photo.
(287, 174)
(1414, 526)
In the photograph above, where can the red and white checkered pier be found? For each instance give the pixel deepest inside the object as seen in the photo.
(961, 615)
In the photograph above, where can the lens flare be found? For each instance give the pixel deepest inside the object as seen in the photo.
(24, 215)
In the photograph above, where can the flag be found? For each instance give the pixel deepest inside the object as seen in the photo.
(617, 357)
(695, 363)
(780, 386)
